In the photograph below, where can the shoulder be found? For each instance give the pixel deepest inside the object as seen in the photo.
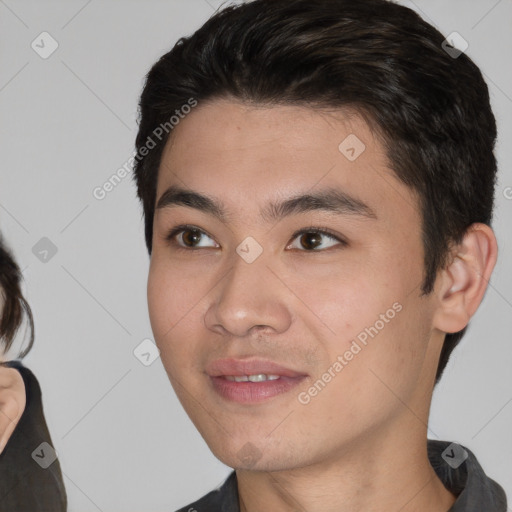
(461, 473)
(9, 375)
(222, 499)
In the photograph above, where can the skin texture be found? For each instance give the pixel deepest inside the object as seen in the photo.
(12, 402)
(360, 443)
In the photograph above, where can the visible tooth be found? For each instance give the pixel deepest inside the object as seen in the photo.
(258, 378)
(261, 377)
(237, 378)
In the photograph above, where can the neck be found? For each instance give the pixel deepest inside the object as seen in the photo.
(389, 472)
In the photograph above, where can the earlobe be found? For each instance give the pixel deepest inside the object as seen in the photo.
(462, 284)
(12, 402)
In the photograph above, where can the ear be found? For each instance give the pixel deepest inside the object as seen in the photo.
(461, 286)
(12, 402)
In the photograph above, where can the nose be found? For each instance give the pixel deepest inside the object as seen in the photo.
(249, 298)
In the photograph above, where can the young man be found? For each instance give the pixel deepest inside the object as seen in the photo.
(317, 178)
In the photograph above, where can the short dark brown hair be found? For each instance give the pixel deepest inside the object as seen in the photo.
(431, 109)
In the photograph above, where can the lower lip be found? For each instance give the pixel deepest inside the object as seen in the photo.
(254, 392)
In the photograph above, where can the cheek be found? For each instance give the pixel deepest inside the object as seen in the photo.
(392, 357)
(168, 304)
(369, 311)
(172, 294)
(174, 304)
(343, 299)
(158, 297)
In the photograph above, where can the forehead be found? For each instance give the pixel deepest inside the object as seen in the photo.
(245, 152)
(228, 128)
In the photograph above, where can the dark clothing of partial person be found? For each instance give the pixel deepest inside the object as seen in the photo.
(30, 475)
(474, 490)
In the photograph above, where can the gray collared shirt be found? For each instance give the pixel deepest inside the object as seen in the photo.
(455, 465)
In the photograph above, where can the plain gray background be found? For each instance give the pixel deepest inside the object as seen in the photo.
(68, 122)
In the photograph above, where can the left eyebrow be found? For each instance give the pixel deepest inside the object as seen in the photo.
(330, 200)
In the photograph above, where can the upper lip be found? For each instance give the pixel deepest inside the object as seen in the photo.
(239, 367)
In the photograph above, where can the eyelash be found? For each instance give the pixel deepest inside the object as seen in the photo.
(310, 229)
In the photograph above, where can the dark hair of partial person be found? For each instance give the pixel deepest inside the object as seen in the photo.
(15, 310)
(373, 57)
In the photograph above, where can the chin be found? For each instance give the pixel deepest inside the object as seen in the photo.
(251, 457)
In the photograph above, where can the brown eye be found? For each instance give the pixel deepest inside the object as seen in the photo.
(191, 237)
(311, 239)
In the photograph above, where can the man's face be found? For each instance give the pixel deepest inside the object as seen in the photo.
(340, 313)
